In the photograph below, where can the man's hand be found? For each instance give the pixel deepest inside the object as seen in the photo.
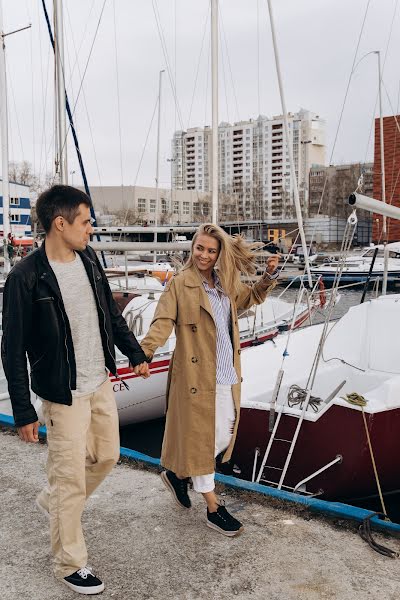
(272, 263)
(142, 370)
(29, 433)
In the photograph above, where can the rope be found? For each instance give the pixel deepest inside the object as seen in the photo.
(358, 400)
(297, 396)
(365, 532)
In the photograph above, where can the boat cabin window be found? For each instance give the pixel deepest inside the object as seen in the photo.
(370, 253)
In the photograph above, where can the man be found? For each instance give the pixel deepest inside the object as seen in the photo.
(59, 311)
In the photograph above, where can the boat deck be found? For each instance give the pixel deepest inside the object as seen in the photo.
(145, 547)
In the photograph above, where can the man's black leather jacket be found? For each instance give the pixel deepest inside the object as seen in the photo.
(35, 324)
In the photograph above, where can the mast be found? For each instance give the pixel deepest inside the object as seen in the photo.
(214, 127)
(383, 183)
(158, 159)
(61, 128)
(4, 145)
(290, 149)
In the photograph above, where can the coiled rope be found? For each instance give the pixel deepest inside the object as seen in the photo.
(297, 396)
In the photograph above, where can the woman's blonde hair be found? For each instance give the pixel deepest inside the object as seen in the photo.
(236, 256)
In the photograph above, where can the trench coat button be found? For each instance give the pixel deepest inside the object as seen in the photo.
(239, 351)
(194, 328)
(193, 390)
(194, 359)
(241, 380)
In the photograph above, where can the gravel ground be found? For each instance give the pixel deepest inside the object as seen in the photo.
(144, 547)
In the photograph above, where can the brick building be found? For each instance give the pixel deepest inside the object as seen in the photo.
(391, 137)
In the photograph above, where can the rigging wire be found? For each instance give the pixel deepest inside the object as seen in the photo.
(225, 40)
(85, 103)
(118, 106)
(223, 73)
(142, 155)
(9, 81)
(77, 53)
(383, 69)
(32, 90)
(167, 61)
(208, 74)
(205, 29)
(343, 107)
(258, 56)
(44, 85)
(84, 72)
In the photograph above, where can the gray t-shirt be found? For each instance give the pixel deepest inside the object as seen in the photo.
(80, 306)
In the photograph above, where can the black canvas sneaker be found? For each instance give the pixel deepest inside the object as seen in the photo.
(177, 487)
(84, 582)
(223, 522)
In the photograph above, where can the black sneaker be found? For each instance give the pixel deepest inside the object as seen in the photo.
(84, 582)
(223, 522)
(177, 487)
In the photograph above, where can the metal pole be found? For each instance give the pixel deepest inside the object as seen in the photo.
(371, 268)
(4, 145)
(60, 82)
(214, 128)
(290, 149)
(375, 206)
(383, 183)
(73, 131)
(382, 146)
(158, 159)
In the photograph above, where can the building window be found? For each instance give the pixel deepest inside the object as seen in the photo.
(186, 208)
(142, 205)
(196, 208)
(176, 207)
(15, 217)
(164, 206)
(14, 201)
(206, 209)
(152, 205)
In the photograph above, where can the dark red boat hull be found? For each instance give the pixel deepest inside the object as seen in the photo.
(340, 431)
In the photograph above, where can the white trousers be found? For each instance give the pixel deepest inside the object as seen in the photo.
(224, 422)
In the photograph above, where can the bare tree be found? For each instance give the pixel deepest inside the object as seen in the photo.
(128, 216)
(22, 172)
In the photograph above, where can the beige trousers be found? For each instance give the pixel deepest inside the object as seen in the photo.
(83, 444)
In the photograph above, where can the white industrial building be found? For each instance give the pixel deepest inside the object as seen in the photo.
(137, 205)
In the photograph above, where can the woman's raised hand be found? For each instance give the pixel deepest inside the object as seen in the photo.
(272, 263)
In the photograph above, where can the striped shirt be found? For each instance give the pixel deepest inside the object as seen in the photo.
(221, 308)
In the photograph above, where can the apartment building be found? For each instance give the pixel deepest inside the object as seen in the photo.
(331, 186)
(254, 168)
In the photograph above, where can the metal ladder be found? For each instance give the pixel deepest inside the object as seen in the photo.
(292, 442)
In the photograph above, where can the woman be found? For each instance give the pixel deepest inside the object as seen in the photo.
(203, 389)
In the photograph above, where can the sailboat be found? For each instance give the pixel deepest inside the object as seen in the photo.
(357, 268)
(329, 425)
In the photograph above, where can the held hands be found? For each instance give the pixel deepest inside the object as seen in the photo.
(272, 263)
(142, 370)
(29, 433)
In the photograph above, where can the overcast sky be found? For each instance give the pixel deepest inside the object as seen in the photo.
(317, 43)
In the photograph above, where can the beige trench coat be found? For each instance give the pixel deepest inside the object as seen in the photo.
(189, 438)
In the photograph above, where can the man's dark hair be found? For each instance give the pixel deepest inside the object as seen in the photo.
(60, 200)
